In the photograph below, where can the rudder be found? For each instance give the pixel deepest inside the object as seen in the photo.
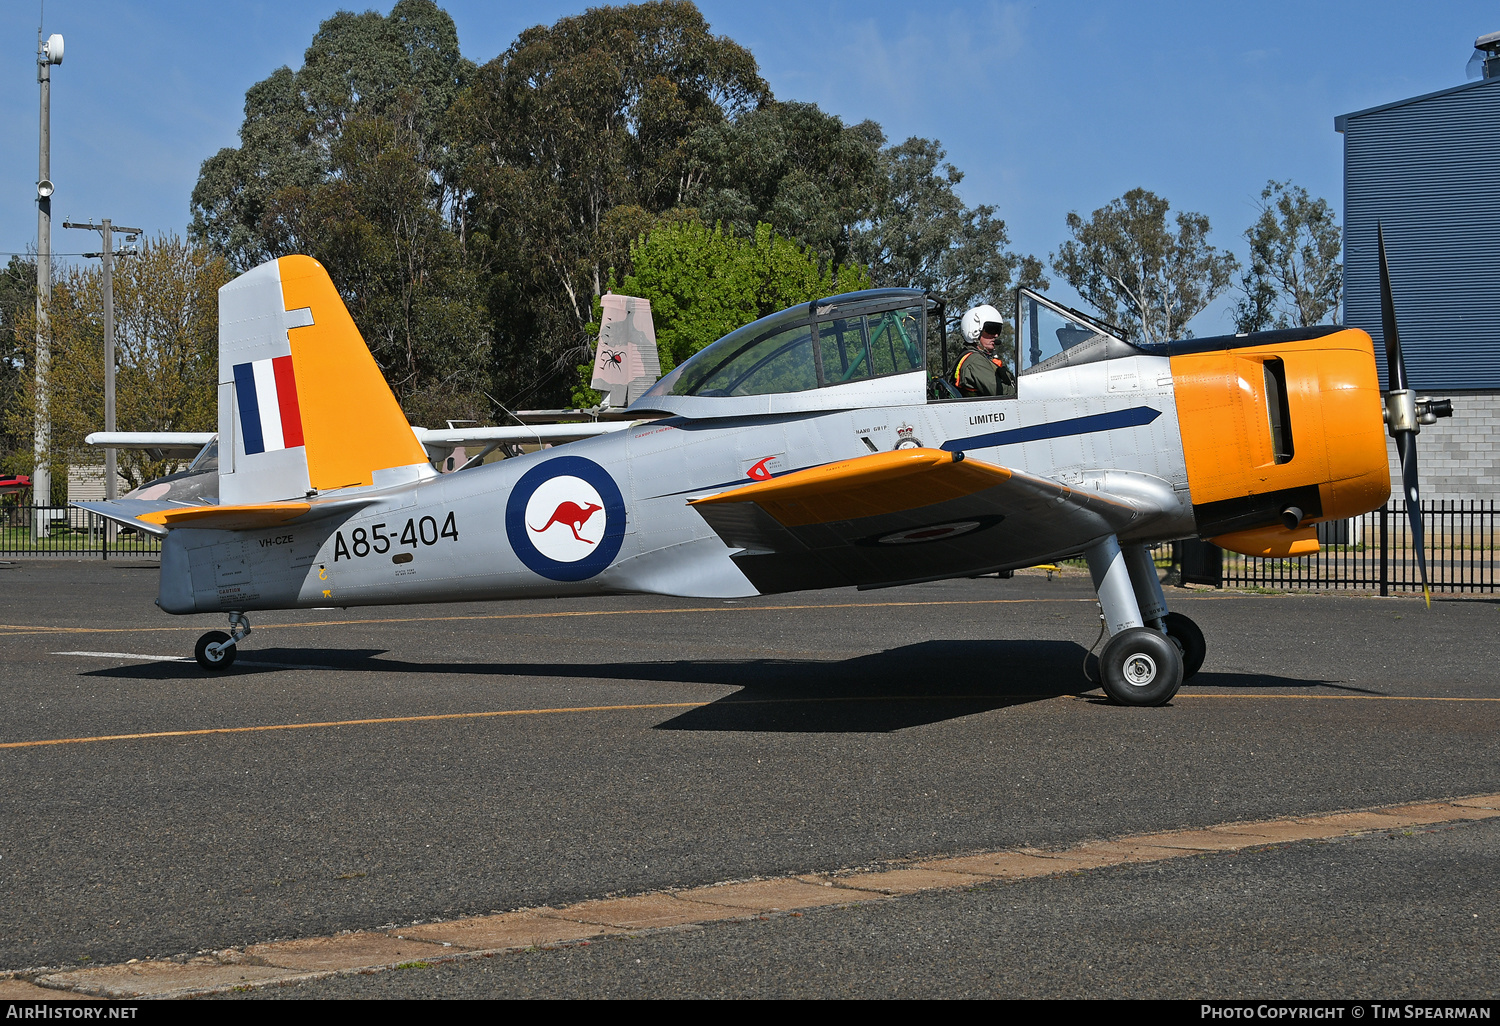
(302, 404)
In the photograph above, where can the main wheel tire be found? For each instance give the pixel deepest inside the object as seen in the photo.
(1140, 666)
(220, 659)
(1190, 642)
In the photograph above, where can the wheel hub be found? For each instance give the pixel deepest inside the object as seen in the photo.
(1140, 669)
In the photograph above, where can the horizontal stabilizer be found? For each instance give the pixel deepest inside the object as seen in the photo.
(160, 517)
(906, 516)
(127, 512)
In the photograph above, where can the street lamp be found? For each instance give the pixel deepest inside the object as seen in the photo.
(107, 254)
(47, 54)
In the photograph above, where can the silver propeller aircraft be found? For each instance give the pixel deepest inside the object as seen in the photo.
(809, 449)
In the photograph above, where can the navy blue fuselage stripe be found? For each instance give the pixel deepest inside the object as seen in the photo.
(1133, 417)
(244, 388)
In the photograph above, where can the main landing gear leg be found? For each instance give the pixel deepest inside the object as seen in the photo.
(1139, 665)
(216, 650)
(1182, 631)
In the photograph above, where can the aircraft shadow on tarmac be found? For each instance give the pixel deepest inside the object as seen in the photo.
(884, 691)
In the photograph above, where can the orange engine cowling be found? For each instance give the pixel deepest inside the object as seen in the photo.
(1276, 425)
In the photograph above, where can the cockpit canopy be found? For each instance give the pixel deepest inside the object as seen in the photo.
(857, 349)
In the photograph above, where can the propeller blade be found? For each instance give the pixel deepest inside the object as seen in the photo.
(1406, 437)
(1395, 378)
(1406, 447)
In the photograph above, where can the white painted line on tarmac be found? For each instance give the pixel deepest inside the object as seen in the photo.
(129, 655)
(189, 659)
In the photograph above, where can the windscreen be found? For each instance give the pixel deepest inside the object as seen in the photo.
(787, 352)
(1046, 332)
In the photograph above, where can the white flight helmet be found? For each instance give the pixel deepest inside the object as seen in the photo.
(974, 321)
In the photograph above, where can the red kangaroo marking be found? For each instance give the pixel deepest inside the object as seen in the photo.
(760, 471)
(572, 516)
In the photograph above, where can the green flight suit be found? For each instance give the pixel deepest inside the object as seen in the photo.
(978, 373)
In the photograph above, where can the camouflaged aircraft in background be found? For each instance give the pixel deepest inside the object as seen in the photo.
(809, 449)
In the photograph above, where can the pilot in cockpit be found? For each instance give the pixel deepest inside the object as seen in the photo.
(981, 370)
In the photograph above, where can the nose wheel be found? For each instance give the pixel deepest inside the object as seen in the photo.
(216, 650)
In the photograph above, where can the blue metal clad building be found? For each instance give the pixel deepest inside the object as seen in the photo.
(1428, 169)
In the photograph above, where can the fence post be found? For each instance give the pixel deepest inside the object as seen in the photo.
(1385, 549)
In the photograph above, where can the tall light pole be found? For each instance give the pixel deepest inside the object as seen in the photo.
(47, 54)
(107, 255)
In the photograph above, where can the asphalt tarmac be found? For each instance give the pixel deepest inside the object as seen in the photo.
(650, 743)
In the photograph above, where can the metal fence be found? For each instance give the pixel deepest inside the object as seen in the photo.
(65, 531)
(1374, 552)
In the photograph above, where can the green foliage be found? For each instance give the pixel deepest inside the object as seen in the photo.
(404, 68)
(705, 282)
(922, 236)
(1255, 310)
(166, 351)
(576, 141)
(17, 308)
(348, 161)
(791, 165)
(1295, 277)
(468, 215)
(399, 268)
(1127, 264)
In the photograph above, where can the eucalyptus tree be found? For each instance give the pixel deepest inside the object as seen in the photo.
(576, 140)
(921, 235)
(1295, 277)
(349, 160)
(1141, 274)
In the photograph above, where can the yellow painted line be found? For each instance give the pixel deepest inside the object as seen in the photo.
(349, 723)
(513, 712)
(489, 714)
(9, 629)
(1341, 698)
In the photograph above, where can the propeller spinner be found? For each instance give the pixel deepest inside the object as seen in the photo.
(1405, 413)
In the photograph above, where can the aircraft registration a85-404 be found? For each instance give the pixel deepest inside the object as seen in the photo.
(809, 449)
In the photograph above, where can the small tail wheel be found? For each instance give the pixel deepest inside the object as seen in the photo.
(210, 653)
(1190, 642)
(1140, 666)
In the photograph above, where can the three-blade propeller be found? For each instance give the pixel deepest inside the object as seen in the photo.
(1405, 413)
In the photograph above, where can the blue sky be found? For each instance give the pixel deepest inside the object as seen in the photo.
(1046, 107)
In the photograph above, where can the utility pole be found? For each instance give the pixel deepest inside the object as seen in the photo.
(47, 54)
(107, 255)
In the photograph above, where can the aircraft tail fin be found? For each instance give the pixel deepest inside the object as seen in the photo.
(303, 407)
(626, 362)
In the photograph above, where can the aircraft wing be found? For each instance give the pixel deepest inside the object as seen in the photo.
(192, 441)
(518, 433)
(158, 518)
(906, 516)
(183, 443)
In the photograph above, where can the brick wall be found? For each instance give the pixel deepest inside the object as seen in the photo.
(1457, 458)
